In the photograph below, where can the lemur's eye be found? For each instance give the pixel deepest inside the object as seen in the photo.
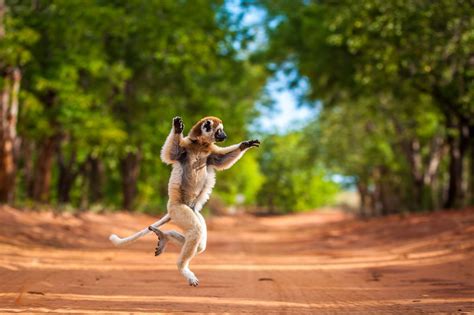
(207, 126)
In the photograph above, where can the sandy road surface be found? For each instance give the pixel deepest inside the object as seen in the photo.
(301, 264)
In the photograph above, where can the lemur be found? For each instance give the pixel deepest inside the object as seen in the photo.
(194, 160)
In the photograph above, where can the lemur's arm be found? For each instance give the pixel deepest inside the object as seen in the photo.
(172, 149)
(224, 158)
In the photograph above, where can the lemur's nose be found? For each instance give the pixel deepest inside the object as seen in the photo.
(220, 135)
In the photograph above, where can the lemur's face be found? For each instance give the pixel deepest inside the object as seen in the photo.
(213, 130)
(208, 130)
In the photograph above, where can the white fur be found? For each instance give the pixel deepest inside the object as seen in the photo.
(165, 150)
(206, 191)
(126, 240)
(224, 150)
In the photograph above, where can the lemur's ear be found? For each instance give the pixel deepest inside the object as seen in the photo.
(207, 126)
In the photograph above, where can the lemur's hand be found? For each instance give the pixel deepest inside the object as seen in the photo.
(249, 144)
(178, 124)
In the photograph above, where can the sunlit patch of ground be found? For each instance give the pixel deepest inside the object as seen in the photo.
(322, 262)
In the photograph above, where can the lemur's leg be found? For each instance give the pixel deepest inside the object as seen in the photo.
(175, 237)
(164, 237)
(184, 217)
(203, 241)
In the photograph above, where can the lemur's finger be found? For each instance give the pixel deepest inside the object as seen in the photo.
(193, 282)
(154, 230)
(158, 251)
(255, 143)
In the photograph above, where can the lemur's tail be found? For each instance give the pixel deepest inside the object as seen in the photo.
(122, 241)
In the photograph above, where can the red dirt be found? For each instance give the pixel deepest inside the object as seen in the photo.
(324, 262)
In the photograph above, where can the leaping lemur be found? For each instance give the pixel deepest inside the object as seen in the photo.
(194, 160)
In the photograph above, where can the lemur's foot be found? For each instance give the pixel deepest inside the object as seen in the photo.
(193, 281)
(162, 240)
(190, 276)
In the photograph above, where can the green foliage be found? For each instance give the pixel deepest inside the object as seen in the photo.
(103, 79)
(396, 82)
(15, 43)
(292, 183)
(245, 179)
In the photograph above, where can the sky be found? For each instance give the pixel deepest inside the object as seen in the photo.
(286, 110)
(287, 114)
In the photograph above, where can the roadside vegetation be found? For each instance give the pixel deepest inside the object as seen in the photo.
(88, 90)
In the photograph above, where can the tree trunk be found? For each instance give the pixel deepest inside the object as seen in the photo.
(65, 182)
(378, 207)
(387, 203)
(96, 179)
(417, 174)
(364, 211)
(47, 149)
(433, 198)
(463, 149)
(411, 149)
(67, 175)
(457, 151)
(43, 173)
(8, 137)
(454, 165)
(471, 173)
(84, 200)
(130, 168)
(27, 150)
(419, 190)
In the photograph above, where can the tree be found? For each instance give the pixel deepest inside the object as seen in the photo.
(15, 40)
(388, 57)
(291, 183)
(101, 85)
(67, 81)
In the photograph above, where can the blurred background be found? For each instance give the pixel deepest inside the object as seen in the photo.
(365, 104)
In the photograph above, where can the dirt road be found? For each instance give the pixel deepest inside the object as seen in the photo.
(302, 264)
